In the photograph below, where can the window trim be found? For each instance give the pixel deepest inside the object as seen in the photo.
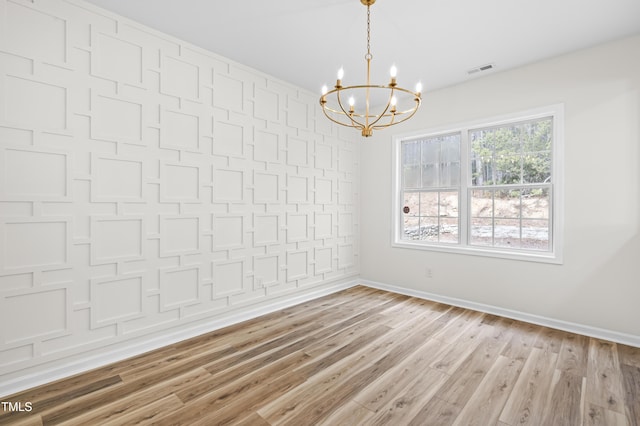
(555, 255)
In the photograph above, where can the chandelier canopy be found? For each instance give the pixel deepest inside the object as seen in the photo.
(383, 106)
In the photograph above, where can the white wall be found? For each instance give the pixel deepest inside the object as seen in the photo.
(150, 190)
(598, 285)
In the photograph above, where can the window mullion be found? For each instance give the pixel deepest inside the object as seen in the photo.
(464, 212)
(421, 166)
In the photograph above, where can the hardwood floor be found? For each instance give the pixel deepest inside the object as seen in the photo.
(358, 357)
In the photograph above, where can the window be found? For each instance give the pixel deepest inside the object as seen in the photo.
(431, 189)
(490, 188)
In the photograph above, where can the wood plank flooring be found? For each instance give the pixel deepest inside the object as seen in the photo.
(358, 357)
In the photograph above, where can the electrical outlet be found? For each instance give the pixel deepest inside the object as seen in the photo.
(259, 283)
(428, 272)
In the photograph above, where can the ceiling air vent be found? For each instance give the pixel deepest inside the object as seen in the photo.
(481, 68)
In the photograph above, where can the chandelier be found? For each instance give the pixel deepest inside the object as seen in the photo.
(373, 114)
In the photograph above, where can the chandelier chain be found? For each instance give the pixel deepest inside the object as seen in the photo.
(368, 55)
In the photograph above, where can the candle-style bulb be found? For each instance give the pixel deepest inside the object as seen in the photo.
(419, 87)
(340, 73)
(393, 72)
(324, 89)
(394, 101)
(352, 101)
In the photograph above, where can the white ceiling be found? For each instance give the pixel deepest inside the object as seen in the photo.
(304, 42)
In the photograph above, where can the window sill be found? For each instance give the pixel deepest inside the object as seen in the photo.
(526, 256)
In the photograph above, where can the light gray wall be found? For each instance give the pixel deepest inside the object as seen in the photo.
(599, 283)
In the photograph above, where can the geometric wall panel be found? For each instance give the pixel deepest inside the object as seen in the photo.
(344, 192)
(228, 93)
(324, 127)
(345, 160)
(180, 78)
(324, 260)
(265, 188)
(116, 239)
(180, 183)
(324, 191)
(228, 278)
(116, 179)
(28, 174)
(297, 226)
(16, 209)
(36, 104)
(16, 282)
(297, 114)
(179, 235)
(297, 190)
(144, 182)
(115, 300)
(48, 44)
(116, 59)
(323, 225)
(15, 355)
(345, 224)
(323, 158)
(227, 139)
(33, 315)
(17, 137)
(227, 185)
(14, 64)
(297, 152)
(266, 105)
(265, 270)
(116, 119)
(179, 287)
(180, 130)
(23, 243)
(345, 256)
(265, 229)
(266, 147)
(297, 265)
(228, 231)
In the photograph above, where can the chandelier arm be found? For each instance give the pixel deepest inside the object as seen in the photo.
(333, 119)
(410, 110)
(341, 113)
(350, 119)
(392, 120)
(382, 114)
(411, 113)
(400, 89)
(344, 111)
(335, 111)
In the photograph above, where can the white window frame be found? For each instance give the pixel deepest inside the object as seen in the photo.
(556, 216)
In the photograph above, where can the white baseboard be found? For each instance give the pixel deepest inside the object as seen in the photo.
(130, 348)
(599, 333)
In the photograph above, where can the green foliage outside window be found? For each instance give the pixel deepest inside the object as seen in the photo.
(518, 154)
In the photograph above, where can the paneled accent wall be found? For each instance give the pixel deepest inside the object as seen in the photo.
(147, 185)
